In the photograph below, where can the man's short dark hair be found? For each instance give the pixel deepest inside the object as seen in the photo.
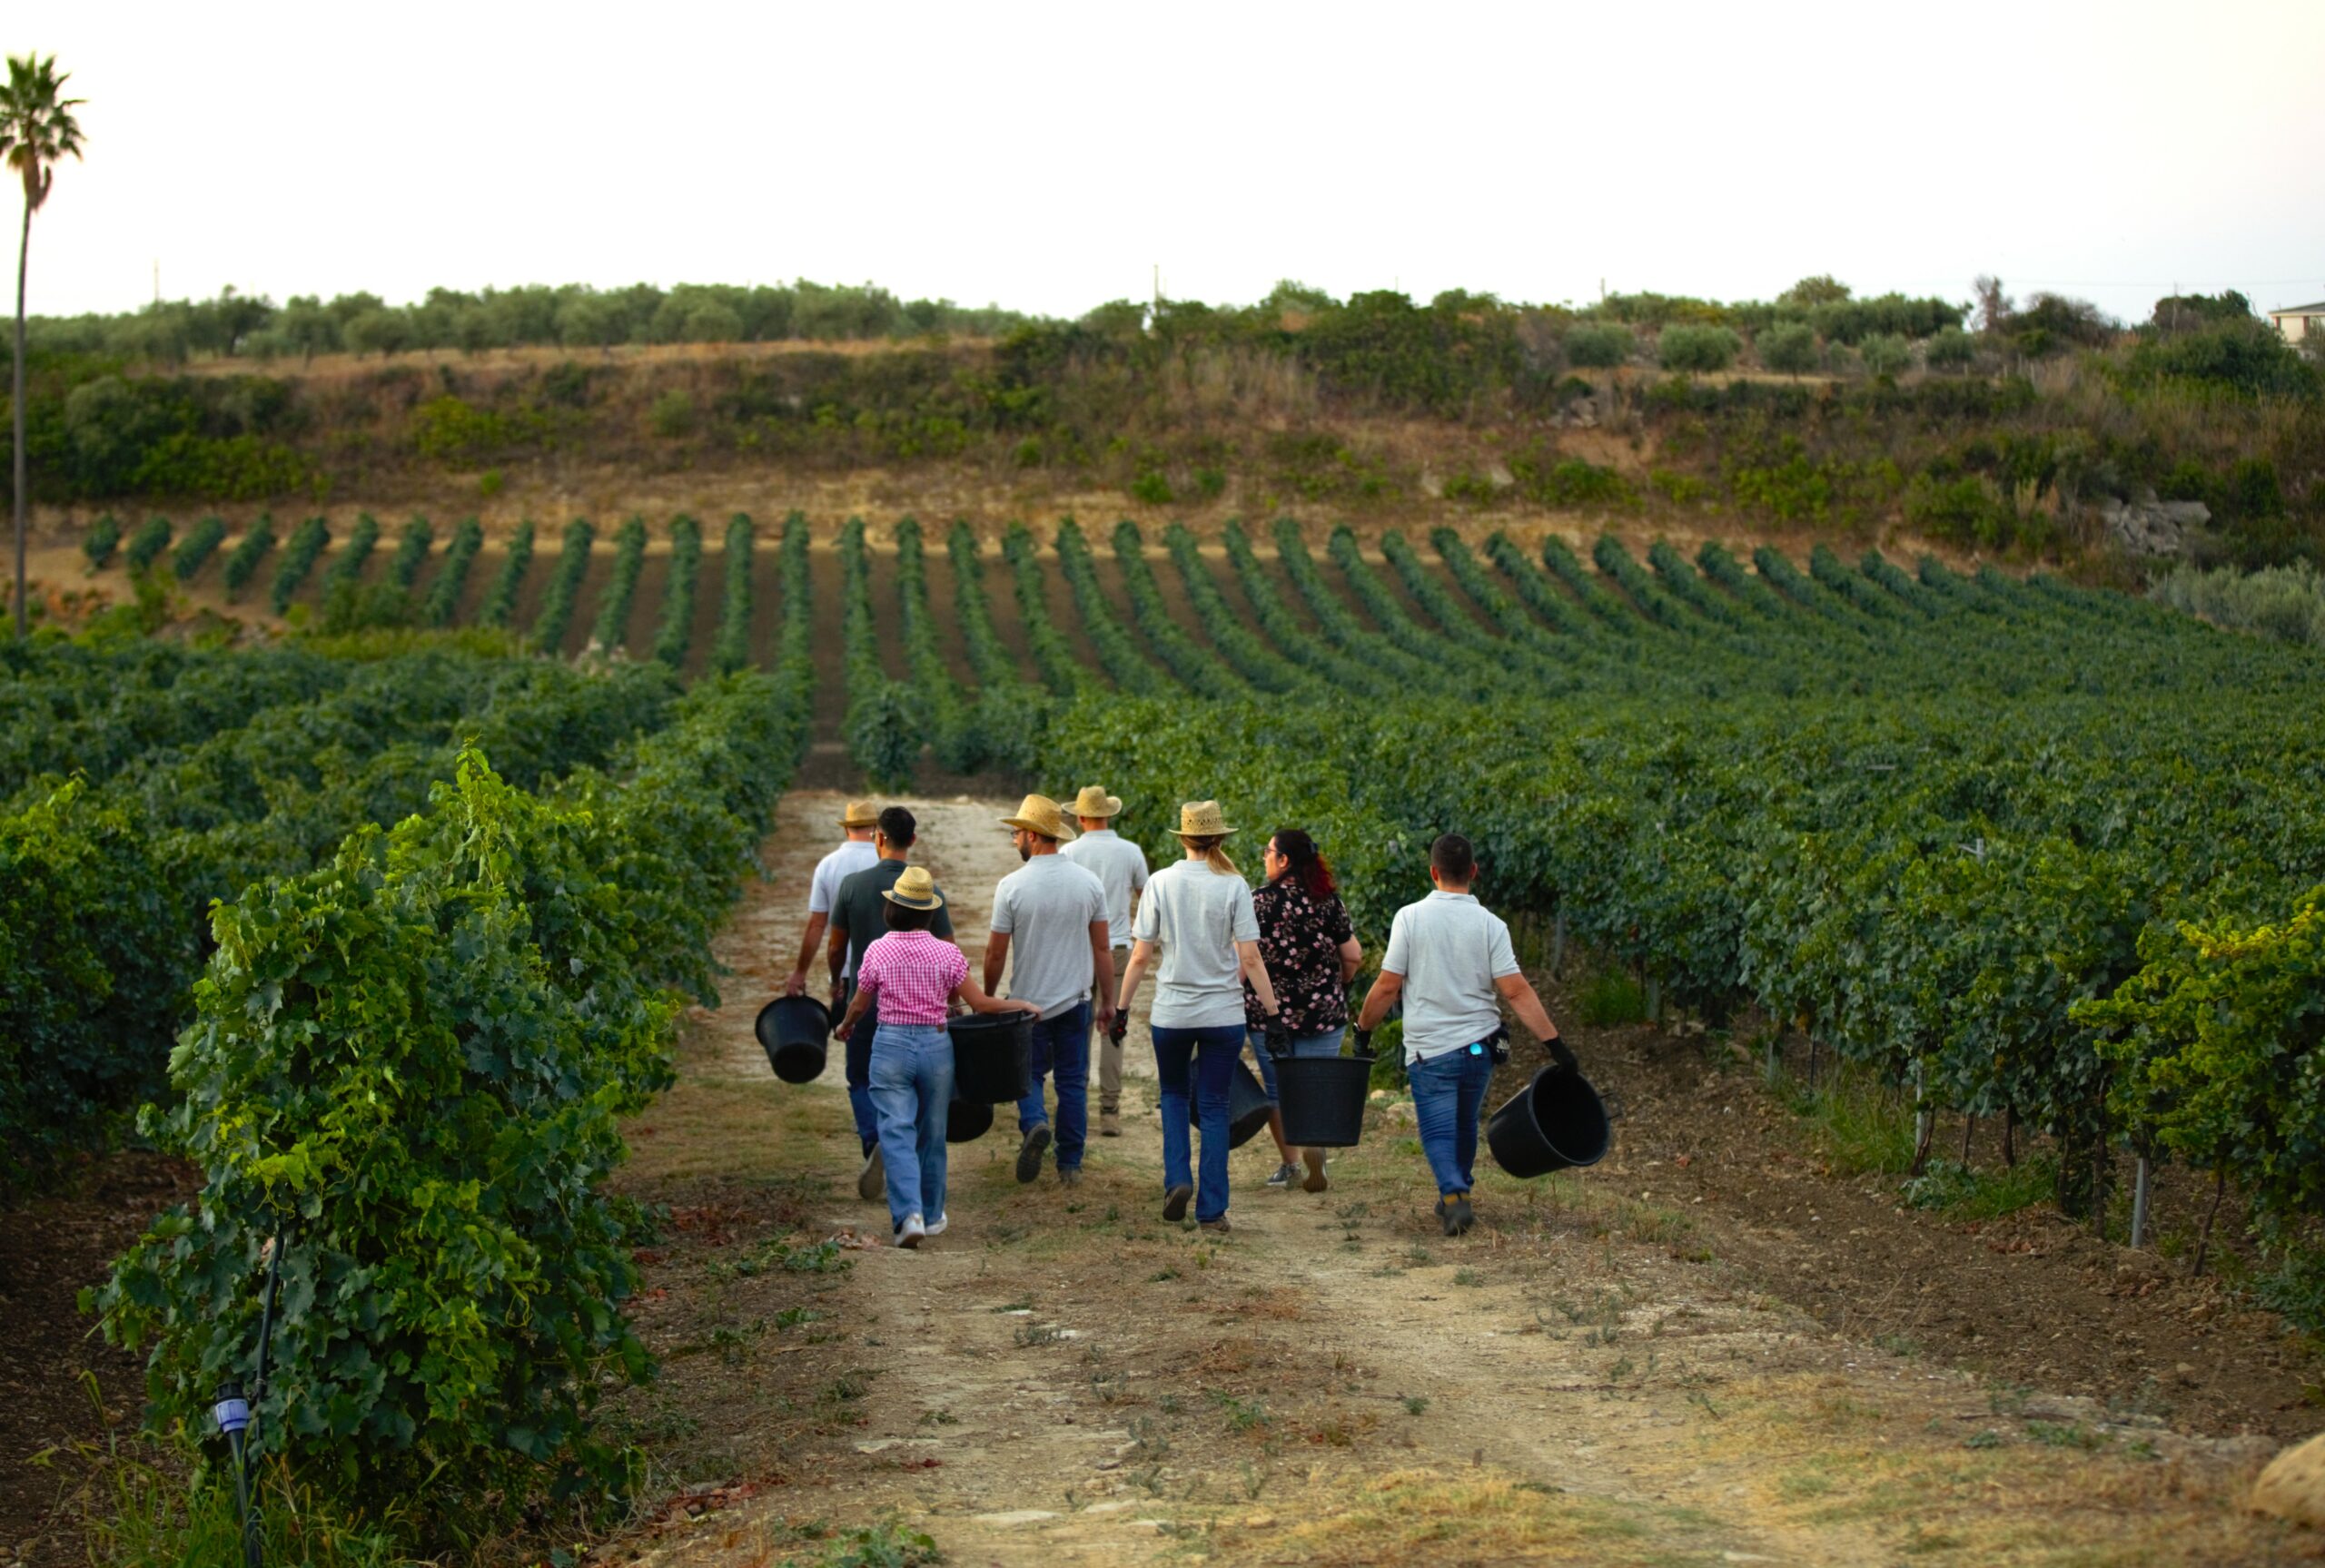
(1452, 858)
(898, 917)
(897, 826)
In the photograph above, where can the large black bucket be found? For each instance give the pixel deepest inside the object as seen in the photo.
(1555, 1122)
(1322, 1098)
(793, 1030)
(993, 1057)
(1247, 1104)
(966, 1121)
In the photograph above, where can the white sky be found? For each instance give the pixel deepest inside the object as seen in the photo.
(1046, 157)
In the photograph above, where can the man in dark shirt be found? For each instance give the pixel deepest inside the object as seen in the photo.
(857, 923)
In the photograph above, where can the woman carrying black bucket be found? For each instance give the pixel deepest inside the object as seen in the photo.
(915, 977)
(1450, 959)
(1196, 930)
(1311, 952)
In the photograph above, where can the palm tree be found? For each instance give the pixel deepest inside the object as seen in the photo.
(36, 129)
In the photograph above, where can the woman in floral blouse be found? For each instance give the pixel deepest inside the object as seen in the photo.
(1311, 952)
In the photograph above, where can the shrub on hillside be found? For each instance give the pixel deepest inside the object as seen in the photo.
(1788, 347)
(1968, 510)
(1697, 348)
(1949, 348)
(1599, 346)
(2246, 356)
(1886, 354)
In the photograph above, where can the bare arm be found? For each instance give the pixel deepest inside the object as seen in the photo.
(797, 984)
(1142, 954)
(1255, 970)
(1351, 959)
(836, 956)
(1102, 960)
(1518, 992)
(996, 954)
(857, 1007)
(978, 1002)
(1386, 988)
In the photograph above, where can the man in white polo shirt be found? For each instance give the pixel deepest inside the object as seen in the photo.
(1050, 917)
(857, 852)
(1120, 867)
(1450, 960)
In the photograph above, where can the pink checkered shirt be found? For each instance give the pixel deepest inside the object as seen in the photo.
(911, 974)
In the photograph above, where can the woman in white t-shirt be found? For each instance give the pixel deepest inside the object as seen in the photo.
(1197, 930)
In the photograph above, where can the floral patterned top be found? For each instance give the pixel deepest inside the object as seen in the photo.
(1300, 939)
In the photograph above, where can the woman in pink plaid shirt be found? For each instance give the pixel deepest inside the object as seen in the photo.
(915, 977)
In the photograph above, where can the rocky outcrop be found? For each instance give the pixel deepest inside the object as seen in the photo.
(2152, 527)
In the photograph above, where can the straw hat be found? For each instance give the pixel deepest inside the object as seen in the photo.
(1039, 813)
(1095, 802)
(861, 813)
(1202, 819)
(914, 890)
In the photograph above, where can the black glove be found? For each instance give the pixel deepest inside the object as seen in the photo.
(1561, 1054)
(1363, 1041)
(1120, 1027)
(1279, 1036)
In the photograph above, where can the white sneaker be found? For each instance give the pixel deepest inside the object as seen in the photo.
(937, 1226)
(911, 1232)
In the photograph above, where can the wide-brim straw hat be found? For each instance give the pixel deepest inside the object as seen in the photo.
(861, 813)
(1039, 813)
(914, 890)
(1095, 802)
(1202, 819)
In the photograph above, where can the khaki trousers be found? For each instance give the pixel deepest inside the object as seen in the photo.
(1110, 1054)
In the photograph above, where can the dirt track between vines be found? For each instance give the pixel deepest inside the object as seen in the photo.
(1062, 1377)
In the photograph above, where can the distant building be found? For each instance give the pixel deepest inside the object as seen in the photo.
(2297, 322)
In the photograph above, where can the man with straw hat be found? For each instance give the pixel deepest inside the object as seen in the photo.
(1120, 867)
(915, 977)
(857, 852)
(1199, 933)
(1051, 915)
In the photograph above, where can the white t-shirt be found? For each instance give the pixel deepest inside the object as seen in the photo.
(1046, 908)
(1450, 949)
(831, 871)
(1120, 867)
(1195, 916)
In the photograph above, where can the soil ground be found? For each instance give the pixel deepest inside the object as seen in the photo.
(1703, 1350)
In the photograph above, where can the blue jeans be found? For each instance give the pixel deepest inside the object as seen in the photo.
(1211, 1054)
(1062, 1049)
(1325, 1044)
(859, 1070)
(1449, 1096)
(911, 1090)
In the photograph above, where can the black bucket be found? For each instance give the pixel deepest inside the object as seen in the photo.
(1555, 1122)
(793, 1030)
(1247, 1104)
(966, 1121)
(993, 1057)
(1323, 1100)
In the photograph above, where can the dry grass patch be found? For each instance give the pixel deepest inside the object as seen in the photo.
(1433, 1516)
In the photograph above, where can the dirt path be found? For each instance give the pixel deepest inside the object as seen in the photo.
(1064, 1378)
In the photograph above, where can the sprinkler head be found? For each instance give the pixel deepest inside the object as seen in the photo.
(231, 1411)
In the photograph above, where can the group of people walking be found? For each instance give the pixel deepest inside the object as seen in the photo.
(1079, 928)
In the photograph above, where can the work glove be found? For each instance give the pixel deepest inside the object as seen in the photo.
(1562, 1054)
(1279, 1036)
(1117, 1030)
(1363, 1037)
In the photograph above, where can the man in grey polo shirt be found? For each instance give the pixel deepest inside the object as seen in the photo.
(1120, 867)
(1050, 916)
(1450, 960)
